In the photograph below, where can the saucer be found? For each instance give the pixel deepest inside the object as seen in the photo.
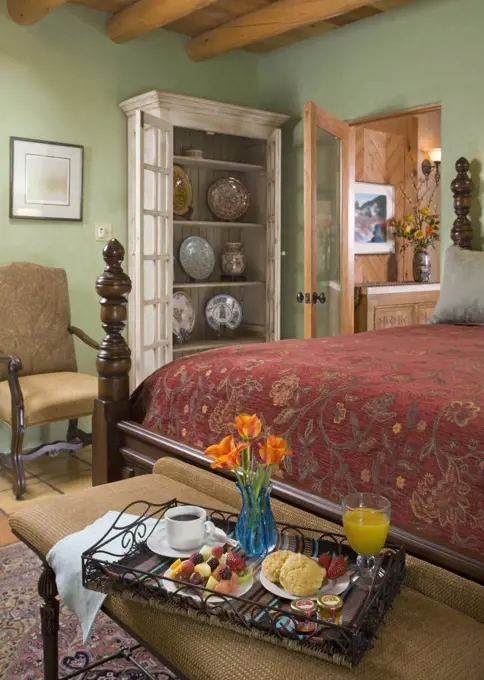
(158, 544)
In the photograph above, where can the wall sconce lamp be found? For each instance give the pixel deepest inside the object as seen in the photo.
(432, 163)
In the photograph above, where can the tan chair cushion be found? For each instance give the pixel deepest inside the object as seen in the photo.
(423, 638)
(35, 314)
(51, 396)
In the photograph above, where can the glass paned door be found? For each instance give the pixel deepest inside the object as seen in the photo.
(151, 320)
(328, 235)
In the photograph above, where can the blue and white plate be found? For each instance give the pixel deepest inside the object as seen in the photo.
(223, 312)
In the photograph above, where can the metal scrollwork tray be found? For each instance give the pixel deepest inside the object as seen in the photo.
(121, 563)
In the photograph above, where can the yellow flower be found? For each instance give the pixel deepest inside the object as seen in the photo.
(409, 218)
(204, 408)
(365, 476)
(419, 234)
(424, 211)
(248, 427)
(407, 229)
(400, 482)
(397, 428)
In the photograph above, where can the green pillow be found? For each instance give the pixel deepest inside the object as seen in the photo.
(461, 298)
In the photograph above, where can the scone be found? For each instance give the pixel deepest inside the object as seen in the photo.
(300, 575)
(272, 565)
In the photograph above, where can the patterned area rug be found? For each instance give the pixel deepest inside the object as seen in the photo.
(21, 642)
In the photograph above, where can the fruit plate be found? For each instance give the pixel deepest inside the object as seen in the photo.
(333, 587)
(157, 543)
(182, 588)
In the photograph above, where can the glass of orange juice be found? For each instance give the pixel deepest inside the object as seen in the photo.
(366, 520)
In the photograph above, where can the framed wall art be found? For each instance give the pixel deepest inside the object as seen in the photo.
(46, 180)
(374, 207)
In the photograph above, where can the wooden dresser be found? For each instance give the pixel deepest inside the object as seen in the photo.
(389, 305)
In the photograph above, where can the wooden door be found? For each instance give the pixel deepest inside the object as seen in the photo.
(153, 244)
(329, 161)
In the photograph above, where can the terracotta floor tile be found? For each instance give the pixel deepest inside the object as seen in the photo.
(67, 484)
(34, 493)
(84, 454)
(6, 535)
(6, 478)
(61, 466)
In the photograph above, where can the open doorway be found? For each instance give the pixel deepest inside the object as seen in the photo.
(396, 156)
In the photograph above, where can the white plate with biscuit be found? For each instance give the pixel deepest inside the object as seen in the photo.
(333, 587)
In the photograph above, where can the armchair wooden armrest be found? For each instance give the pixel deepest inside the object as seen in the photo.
(73, 330)
(14, 367)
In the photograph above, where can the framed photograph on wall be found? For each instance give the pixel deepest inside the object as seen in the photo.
(45, 180)
(374, 207)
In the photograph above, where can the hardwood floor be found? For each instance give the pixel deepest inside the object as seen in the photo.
(46, 478)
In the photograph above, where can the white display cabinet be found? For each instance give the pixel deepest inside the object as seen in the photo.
(236, 142)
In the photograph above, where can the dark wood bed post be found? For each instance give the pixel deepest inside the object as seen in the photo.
(461, 188)
(113, 365)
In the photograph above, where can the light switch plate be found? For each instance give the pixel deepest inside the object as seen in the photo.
(104, 232)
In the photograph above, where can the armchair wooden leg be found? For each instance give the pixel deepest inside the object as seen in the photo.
(72, 430)
(49, 619)
(18, 469)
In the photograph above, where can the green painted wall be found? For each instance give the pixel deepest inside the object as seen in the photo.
(62, 80)
(425, 52)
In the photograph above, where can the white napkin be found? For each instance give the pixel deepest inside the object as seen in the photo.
(65, 560)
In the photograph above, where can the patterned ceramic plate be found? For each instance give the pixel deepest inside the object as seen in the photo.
(183, 315)
(223, 311)
(197, 258)
(182, 192)
(228, 199)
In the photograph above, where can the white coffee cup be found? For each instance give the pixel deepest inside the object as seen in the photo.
(187, 527)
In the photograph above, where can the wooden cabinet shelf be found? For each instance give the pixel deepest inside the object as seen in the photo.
(213, 164)
(216, 224)
(216, 284)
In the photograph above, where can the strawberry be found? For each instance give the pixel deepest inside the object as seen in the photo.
(324, 560)
(234, 561)
(337, 567)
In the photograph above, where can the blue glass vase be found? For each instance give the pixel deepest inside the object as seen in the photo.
(256, 528)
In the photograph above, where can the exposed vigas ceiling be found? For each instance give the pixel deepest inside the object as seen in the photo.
(216, 27)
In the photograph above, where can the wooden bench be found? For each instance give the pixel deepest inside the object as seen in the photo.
(435, 630)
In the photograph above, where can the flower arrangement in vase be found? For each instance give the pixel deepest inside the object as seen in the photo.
(256, 528)
(419, 229)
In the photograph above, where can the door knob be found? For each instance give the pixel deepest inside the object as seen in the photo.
(283, 253)
(319, 297)
(300, 297)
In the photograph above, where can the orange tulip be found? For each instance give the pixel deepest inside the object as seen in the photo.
(226, 455)
(247, 426)
(429, 230)
(274, 450)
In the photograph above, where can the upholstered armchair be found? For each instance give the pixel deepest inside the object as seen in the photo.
(39, 382)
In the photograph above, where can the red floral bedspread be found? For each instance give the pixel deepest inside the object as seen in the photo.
(399, 411)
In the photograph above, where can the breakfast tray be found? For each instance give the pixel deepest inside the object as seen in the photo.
(121, 563)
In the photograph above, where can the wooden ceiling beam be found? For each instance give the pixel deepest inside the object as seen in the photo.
(28, 12)
(267, 22)
(146, 15)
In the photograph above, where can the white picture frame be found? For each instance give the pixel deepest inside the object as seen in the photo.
(46, 180)
(374, 207)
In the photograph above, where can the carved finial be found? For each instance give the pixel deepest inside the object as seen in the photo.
(462, 187)
(114, 357)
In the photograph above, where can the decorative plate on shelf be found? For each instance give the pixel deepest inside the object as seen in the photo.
(223, 312)
(182, 192)
(197, 258)
(228, 199)
(183, 316)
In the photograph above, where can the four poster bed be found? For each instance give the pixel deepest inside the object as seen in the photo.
(398, 411)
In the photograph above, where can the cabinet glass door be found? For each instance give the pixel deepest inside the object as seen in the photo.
(328, 234)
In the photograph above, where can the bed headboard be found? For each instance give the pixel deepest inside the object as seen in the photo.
(461, 187)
